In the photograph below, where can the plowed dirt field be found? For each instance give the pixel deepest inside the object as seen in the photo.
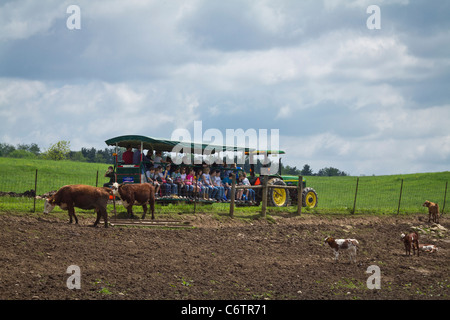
(281, 259)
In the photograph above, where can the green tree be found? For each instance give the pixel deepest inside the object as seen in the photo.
(77, 156)
(33, 148)
(58, 151)
(6, 149)
(330, 171)
(306, 171)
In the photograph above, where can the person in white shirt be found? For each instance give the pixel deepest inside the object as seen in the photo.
(250, 193)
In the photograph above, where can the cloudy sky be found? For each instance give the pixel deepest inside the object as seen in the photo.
(366, 101)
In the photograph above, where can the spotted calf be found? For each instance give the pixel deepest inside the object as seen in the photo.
(338, 245)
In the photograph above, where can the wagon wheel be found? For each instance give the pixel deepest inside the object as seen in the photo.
(278, 197)
(310, 198)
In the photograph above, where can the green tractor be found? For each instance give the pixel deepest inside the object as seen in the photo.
(280, 197)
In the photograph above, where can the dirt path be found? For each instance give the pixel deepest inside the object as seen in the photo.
(282, 260)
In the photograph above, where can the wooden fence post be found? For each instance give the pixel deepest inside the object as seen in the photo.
(35, 191)
(264, 196)
(356, 194)
(299, 195)
(445, 197)
(400, 198)
(233, 194)
(195, 182)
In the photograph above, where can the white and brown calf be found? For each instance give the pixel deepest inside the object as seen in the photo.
(338, 245)
(428, 247)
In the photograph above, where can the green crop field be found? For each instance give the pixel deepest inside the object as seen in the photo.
(375, 194)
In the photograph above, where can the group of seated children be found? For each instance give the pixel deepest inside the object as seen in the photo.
(189, 183)
(173, 181)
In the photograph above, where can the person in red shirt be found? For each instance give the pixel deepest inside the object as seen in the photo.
(127, 156)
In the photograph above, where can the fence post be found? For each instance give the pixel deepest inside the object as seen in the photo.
(299, 195)
(233, 194)
(195, 183)
(96, 180)
(356, 193)
(445, 197)
(264, 195)
(400, 198)
(35, 191)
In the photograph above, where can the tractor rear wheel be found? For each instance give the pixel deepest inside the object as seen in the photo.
(310, 198)
(277, 197)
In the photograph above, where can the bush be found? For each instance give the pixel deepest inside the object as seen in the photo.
(58, 151)
(22, 154)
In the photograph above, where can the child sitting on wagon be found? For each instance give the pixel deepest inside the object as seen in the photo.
(153, 180)
(227, 186)
(249, 193)
(187, 183)
(169, 181)
(160, 178)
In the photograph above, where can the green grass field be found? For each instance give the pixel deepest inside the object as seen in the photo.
(382, 193)
(376, 194)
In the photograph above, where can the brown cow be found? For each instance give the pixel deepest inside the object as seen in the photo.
(433, 210)
(80, 196)
(139, 194)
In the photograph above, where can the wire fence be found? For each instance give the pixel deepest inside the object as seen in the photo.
(380, 194)
(390, 195)
(20, 194)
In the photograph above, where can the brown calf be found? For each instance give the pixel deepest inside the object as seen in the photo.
(139, 194)
(411, 241)
(433, 210)
(80, 196)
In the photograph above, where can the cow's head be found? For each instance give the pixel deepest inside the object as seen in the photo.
(49, 205)
(115, 188)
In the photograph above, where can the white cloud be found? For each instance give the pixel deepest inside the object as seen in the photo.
(333, 4)
(25, 18)
(341, 95)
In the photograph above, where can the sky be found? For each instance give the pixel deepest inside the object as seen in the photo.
(368, 101)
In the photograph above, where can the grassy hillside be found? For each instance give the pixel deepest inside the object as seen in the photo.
(18, 175)
(376, 194)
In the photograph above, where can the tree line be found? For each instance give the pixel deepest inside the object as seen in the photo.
(58, 151)
(61, 151)
(307, 171)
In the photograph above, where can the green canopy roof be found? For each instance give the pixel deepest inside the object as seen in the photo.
(168, 145)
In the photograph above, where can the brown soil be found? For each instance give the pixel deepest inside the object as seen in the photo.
(281, 259)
